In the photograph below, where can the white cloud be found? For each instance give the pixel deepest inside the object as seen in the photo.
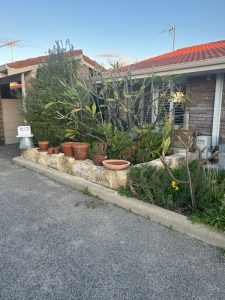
(112, 57)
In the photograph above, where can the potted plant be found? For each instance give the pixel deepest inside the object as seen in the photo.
(43, 145)
(42, 136)
(55, 140)
(50, 150)
(80, 150)
(99, 150)
(68, 149)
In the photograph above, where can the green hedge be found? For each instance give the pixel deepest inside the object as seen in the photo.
(155, 186)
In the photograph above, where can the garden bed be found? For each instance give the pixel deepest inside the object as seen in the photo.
(87, 170)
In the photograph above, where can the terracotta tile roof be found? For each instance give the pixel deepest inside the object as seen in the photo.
(41, 59)
(92, 62)
(184, 55)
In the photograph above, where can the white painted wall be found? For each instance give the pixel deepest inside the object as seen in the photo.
(11, 110)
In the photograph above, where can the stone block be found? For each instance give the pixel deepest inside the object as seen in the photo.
(55, 161)
(82, 168)
(30, 154)
(117, 179)
(66, 164)
(43, 158)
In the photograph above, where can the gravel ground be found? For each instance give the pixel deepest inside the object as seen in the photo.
(57, 243)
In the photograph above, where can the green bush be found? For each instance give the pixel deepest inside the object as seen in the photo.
(155, 186)
(149, 147)
(119, 142)
(47, 87)
(214, 217)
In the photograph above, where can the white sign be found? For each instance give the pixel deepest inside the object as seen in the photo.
(24, 131)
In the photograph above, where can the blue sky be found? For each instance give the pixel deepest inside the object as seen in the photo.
(127, 28)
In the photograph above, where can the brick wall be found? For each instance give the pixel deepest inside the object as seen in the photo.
(2, 138)
(202, 92)
(222, 118)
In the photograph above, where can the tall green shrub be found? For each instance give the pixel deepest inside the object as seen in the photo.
(47, 87)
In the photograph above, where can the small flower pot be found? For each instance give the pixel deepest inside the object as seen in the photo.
(50, 150)
(81, 150)
(68, 149)
(98, 159)
(43, 145)
(130, 152)
(56, 150)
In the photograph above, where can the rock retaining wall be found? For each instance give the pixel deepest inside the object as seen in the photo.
(87, 170)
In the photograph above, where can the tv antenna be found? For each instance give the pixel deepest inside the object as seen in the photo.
(15, 43)
(172, 31)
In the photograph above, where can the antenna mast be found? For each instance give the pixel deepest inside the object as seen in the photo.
(172, 31)
(15, 43)
(10, 44)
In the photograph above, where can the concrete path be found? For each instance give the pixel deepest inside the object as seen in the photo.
(57, 243)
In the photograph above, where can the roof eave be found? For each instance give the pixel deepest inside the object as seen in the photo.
(3, 68)
(184, 68)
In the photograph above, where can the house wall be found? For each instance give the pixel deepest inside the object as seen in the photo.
(2, 138)
(202, 92)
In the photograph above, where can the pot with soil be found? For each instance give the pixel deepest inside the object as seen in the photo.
(130, 152)
(56, 150)
(98, 159)
(68, 149)
(50, 150)
(43, 145)
(80, 150)
(100, 153)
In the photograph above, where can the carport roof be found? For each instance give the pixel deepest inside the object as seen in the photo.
(41, 59)
(37, 60)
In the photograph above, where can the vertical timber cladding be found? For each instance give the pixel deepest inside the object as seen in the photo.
(222, 118)
(2, 138)
(12, 118)
(202, 92)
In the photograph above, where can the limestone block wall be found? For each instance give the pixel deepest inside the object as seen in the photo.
(97, 174)
(85, 169)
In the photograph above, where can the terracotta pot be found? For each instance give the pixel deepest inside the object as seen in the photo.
(98, 159)
(56, 150)
(116, 164)
(68, 149)
(50, 150)
(80, 150)
(43, 145)
(130, 152)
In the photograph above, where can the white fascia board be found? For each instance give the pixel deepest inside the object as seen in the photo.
(3, 68)
(184, 67)
(214, 64)
(192, 70)
(12, 71)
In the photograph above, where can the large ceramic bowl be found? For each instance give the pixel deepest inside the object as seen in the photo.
(116, 164)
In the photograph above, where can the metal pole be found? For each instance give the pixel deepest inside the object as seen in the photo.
(174, 37)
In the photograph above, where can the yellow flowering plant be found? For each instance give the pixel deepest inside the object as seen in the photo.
(175, 185)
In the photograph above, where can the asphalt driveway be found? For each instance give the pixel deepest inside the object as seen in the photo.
(57, 243)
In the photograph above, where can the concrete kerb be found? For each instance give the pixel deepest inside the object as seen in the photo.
(160, 215)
